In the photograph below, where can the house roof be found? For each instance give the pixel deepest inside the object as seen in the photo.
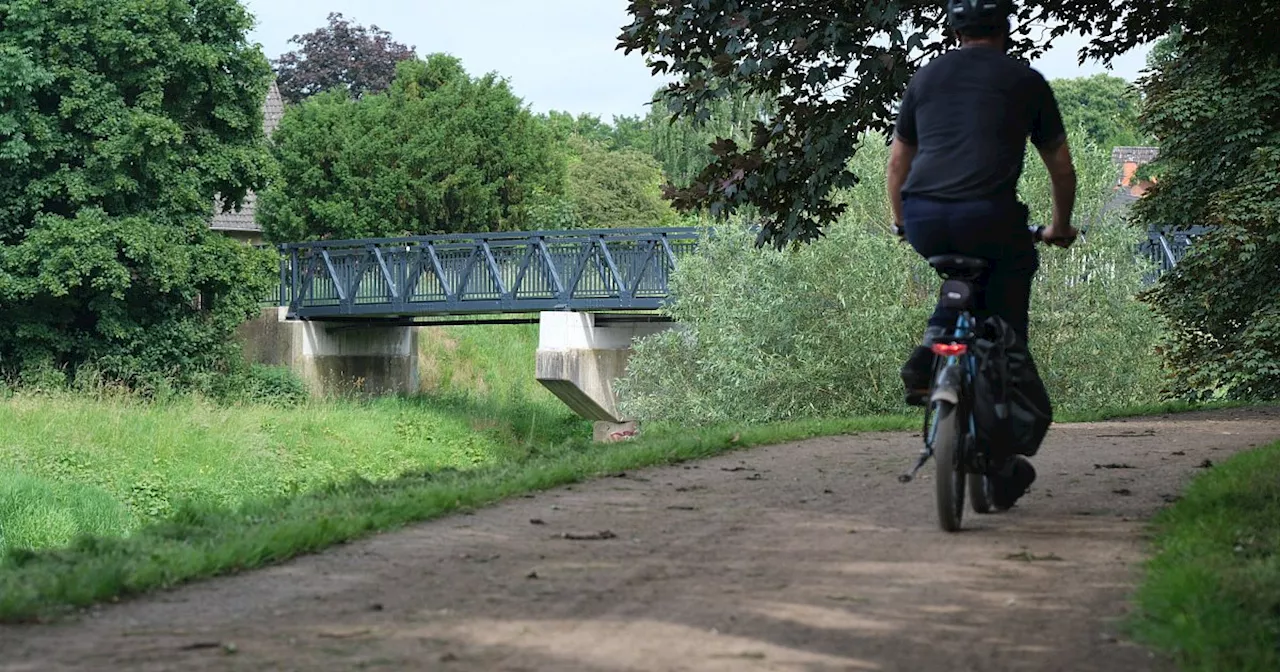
(272, 109)
(1138, 155)
(243, 219)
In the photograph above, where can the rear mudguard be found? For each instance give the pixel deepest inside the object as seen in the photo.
(947, 386)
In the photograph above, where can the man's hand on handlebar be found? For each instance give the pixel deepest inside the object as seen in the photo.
(1059, 235)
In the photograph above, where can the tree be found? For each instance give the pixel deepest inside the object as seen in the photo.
(1106, 108)
(615, 188)
(1211, 101)
(119, 122)
(343, 56)
(441, 152)
(835, 68)
(681, 146)
(588, 126)
(684, 146)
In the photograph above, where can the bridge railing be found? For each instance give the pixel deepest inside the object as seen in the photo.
(618, 269)
(1167, 247)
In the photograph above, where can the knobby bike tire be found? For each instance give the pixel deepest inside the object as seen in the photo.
(950, 476)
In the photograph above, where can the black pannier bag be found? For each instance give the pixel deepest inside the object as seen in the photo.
(1011, 408)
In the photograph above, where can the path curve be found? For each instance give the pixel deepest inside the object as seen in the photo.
(806, 557)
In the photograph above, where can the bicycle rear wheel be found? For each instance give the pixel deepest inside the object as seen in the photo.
(980, 493)
(950, 476)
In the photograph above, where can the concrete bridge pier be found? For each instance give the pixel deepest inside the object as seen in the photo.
(580, 357)
(335, 358)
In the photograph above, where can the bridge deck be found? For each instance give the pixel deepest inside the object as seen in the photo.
(520, 272)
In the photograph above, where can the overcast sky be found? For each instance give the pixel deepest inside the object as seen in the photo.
(558, 54)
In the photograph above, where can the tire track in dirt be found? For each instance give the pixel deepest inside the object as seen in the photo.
(808, 556)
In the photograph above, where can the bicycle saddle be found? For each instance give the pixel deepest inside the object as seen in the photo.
(955, 263)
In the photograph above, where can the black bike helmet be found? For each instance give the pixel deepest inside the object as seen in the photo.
(981, 14)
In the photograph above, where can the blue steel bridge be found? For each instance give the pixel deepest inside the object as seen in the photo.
(395, 280)
(482, 274)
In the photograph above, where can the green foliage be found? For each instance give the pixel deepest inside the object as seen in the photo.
(616, 189)
(613, 180)
(682, 146)
(120, 121)
(1219, 127)
(1103, 107)
(821, 331)
(258, 384)
(835, 70)
(588, 127)
(1211, 592)
(441, 152)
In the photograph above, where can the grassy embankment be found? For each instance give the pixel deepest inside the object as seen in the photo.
(1211, 597)
(109, 496)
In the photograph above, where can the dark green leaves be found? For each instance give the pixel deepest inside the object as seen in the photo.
(1212, 100)
(441, 152)
(835, 68)
(119, 122)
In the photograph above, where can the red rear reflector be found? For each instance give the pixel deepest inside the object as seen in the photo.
(950, 349)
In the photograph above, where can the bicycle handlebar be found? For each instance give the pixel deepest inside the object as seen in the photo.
(1037, 232)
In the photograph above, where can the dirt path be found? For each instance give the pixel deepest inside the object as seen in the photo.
(807, 557)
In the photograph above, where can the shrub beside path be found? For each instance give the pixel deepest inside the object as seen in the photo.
(807, 556)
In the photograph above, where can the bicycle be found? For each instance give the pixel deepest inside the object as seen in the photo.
(949, 427)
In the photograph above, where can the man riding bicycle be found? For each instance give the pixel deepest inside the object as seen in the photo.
(953, 172)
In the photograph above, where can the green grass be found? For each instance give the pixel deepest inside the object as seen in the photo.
(1211, 596)
(491, 362)
(203, 537)
(1145, 410)
(79, 465)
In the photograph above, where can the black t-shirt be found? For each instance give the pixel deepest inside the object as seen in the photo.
(969, 112)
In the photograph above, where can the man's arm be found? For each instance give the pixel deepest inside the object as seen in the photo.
(901, 154)
(1049, 136)
(1062, 173)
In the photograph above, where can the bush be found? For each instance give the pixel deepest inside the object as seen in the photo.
(273, 385)
(258, 384)
(821, 330)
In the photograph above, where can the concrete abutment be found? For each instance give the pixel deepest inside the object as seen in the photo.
(580, 358)
(335, 358)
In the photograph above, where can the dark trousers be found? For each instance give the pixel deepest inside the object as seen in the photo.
(995, 230)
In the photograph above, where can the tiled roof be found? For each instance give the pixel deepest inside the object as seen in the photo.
(1138, 155)
(236, 221)
(243, 220)
(272, 109)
